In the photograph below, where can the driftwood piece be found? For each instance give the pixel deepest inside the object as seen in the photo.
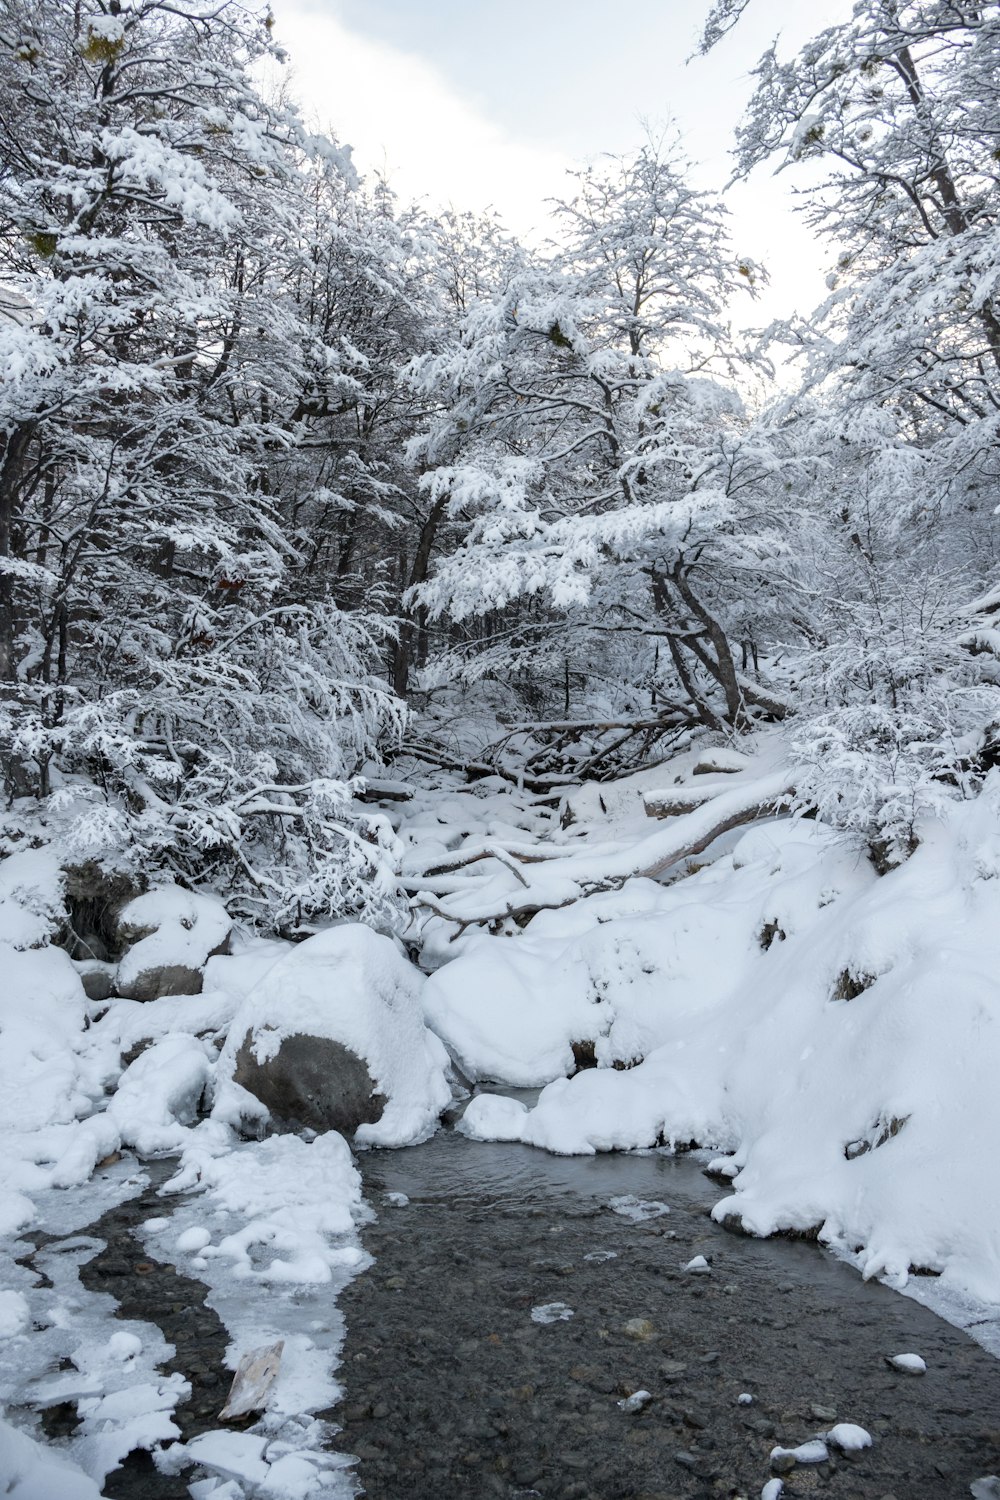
(255, 1375)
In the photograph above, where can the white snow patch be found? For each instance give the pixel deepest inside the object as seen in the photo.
(15, 1314)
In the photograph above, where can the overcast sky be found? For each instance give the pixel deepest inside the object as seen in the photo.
(476, 103)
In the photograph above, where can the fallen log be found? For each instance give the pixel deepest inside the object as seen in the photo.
(559, 882)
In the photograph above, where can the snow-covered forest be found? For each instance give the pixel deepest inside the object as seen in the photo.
(436, 666)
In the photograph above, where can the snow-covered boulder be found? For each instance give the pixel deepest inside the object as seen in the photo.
(171, 933)
(333, 1038)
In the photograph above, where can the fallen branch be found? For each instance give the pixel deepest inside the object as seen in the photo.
(561, 881)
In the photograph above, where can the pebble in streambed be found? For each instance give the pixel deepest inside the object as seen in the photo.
(453, 1391)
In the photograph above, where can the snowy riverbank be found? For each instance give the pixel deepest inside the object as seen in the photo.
(831, 1032)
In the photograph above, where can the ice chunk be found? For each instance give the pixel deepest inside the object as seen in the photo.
(234, 1455)
(551, 1312)
(638, 1209)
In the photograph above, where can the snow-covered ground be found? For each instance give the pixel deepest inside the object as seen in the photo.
(832, 1035)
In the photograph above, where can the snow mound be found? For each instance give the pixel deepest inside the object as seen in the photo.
(173, 933)
(31, 1471)
(500, 1023)
(351, 986)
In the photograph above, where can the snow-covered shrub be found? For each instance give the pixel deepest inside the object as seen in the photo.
(234, 764)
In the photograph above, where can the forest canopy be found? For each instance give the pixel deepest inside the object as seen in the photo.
(291, 472)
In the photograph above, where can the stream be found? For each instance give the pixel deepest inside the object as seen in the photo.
(453, 1391)
(518, 1299)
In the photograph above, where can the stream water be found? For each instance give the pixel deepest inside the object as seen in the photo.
(454, 1391)
(518, 1299)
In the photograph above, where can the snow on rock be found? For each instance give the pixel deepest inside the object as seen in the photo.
(500, 1022)
(813, 1452)
(699, 1266)
(849, 1437)
(636, 1401)
(173, 933)
(340, 1012)
(783, 1005)
(158, 1094)
(772, 1490)
(241, 969)
(910, 1364)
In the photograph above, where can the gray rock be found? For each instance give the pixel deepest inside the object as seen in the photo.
(311, 1081)
(164, 979)
(98, 979)
(169, 935)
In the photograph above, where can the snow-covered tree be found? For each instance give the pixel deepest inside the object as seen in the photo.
(590, 444)
(157, 646)
(900, 108)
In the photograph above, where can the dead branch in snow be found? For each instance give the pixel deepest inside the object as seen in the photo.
(566, 879)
